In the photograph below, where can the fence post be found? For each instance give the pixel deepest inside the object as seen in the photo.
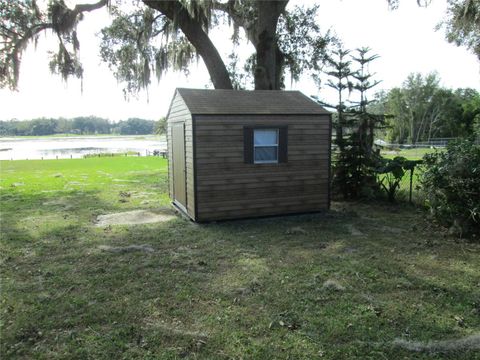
(411, 185)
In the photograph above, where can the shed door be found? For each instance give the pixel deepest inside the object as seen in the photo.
(178, 148)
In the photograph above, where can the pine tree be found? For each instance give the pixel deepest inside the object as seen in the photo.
(356, 160)
(339, 72)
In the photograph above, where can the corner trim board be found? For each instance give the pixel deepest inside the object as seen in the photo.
(194, 153)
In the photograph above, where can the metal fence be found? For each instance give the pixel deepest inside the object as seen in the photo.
(432, 143)
(409, 187)
(66, 155)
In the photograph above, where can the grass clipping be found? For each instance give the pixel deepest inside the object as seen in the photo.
(471, 342)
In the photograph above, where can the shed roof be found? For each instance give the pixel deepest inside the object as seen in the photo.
(237, 102)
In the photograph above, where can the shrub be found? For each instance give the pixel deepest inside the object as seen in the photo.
(451, 182)
(391, 172)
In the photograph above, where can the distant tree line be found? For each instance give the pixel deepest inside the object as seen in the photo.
(422, 109)
(82, 125)
(419, 110)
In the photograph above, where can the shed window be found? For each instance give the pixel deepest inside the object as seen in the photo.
(265, 143)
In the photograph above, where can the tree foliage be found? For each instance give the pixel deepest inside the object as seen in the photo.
(139, 43)
(161, 126)
(462, 25)
(24, 20)
(391, 172)
(355, 158)
(150, 37)
(134, 126)
(422, 109)
(451, 182)
(83, 125)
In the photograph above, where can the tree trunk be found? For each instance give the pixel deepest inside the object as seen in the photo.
(269, 58)
(194, 32)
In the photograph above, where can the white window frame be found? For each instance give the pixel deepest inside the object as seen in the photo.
(266, 145)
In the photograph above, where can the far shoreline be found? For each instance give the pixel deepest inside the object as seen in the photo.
(79, 136)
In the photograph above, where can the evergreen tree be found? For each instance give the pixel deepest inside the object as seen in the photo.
(355, 160)
(339, 73)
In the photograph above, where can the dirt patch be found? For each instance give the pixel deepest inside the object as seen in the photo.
(471, 342)
(297, 230)
(177, 330)
(393, 230)
(125, 180)
(354, 231)
(333, 285)
(126, 249)
(62, 202)
(143, 194)
(134, 217)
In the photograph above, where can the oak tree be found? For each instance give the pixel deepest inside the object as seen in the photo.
(152, 36)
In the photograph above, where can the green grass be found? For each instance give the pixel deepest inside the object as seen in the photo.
(251, 289)
(412, 154)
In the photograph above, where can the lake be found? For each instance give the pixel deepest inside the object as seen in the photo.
(77, 146)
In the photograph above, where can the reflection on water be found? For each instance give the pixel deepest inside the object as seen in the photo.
(77, 147)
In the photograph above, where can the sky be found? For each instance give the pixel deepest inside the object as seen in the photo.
(405, 39)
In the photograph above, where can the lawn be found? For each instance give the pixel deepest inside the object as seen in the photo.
(362, 281)
(412, 154)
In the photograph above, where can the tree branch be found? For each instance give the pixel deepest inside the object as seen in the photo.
(80, 8)
(238, 19)
(9, 30)
(17, 46)
(20, 45)
(193, 30)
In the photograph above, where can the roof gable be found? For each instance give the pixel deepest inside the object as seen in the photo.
(237, 102)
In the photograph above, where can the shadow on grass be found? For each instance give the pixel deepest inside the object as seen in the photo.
(250, 288)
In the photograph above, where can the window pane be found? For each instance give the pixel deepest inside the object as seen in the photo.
(266, 153)
(265, 137)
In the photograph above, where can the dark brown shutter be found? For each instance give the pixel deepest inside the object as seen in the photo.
(248, 145)
(283, 144)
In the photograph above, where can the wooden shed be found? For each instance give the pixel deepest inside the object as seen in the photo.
(238, 154)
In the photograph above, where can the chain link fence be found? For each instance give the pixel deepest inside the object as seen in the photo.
(409, 189)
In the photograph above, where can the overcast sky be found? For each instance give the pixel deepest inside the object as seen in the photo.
(405, 39)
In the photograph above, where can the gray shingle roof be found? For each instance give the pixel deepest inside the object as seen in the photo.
(201, 101)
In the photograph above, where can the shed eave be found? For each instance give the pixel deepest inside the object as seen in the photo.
(258, 113)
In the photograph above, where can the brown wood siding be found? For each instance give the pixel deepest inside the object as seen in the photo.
(179, 113)
(228, 188)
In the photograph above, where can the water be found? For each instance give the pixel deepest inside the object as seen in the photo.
(77, 147)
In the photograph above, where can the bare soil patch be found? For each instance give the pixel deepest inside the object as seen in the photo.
(127, 249)
(471, 342)
(134, 217)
